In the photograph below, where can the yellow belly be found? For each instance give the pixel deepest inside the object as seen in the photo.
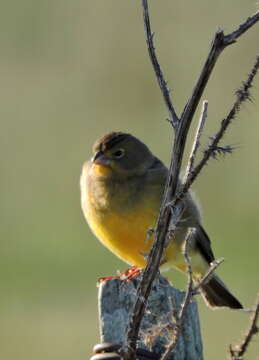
(125, 234)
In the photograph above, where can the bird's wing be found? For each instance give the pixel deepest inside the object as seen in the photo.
(203, 244)
(157, 173)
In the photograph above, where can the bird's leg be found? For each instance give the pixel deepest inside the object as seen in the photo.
(127, 275)
(130, 273)
(106, 278)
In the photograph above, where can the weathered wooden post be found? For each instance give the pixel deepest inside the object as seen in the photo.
(116, 301)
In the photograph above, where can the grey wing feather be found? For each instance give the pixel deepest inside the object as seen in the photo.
(203, 244)
(158, 174)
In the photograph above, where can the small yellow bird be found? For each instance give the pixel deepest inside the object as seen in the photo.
(121, 193)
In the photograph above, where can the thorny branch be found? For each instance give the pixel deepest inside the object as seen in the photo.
(159, 74)
(237, 351)
(242, 95)
(171, 194)
(190, 291)
(187, 299)
(213, 149)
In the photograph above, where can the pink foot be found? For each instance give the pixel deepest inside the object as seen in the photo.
(127, 275)
(106, 278)
(130, 273)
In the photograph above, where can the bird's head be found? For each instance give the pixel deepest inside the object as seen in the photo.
(120, 155)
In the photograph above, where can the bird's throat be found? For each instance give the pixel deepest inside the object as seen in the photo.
(101, 170)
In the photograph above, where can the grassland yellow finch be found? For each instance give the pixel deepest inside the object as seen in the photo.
(121, 191)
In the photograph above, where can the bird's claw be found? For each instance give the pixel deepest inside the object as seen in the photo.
(127, 275)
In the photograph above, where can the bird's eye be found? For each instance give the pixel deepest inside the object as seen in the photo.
(119, 153)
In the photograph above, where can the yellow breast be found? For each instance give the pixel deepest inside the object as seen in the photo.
(124, 231)
(124, 234)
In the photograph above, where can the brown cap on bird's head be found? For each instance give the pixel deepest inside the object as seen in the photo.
(123, 153)
(109, 140)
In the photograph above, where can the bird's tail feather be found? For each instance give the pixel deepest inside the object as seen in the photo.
(216, 294)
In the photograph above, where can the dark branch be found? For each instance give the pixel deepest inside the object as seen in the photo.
(242, 95)
(187, 299)
(246, 25)
(158, 71)
(238, 351)
(171, 194)
(219, 43)
(190, 291)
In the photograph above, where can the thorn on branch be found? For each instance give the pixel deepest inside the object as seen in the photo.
(217, 151)
(243, 93)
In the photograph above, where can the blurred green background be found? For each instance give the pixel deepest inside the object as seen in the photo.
(70, 72)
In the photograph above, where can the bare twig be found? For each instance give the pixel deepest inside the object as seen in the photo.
(242, 95)
(190, 291)
(187, 299)
(219, 43)
(187, 259)
(238, 351)
(196, 143)
(171, 193)
(158, 71)
(213, 266)
(246, 25)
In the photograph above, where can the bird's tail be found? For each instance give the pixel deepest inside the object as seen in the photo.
(216, 294)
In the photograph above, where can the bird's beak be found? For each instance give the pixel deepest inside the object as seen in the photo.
(100, 158)
(96, 156)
